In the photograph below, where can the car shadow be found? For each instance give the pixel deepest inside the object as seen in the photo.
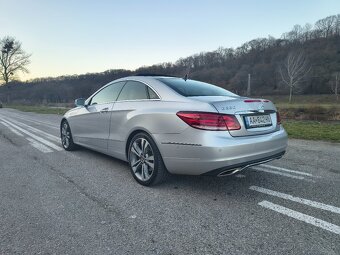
(233, 186)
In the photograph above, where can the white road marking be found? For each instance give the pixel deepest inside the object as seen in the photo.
(287, 170)
(39, 146)
(12, 129)
(311, 203)
(240, 176)
(279, 173)
(51, 125)
(301, 216)
(48, 143)
(47, 135)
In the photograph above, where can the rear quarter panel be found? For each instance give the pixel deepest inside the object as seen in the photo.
(152, 116)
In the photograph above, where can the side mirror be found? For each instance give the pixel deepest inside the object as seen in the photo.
(79, 102)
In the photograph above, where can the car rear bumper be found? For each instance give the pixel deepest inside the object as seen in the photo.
(232, 169)
(214, 152)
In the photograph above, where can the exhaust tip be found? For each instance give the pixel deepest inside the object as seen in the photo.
(229, 172)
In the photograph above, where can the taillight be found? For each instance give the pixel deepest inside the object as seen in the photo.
(231, 122)
(278, 118)
(210, 121)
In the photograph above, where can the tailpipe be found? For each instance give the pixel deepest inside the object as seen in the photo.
(229, 172)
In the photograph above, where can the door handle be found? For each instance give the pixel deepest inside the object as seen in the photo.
(104, 110)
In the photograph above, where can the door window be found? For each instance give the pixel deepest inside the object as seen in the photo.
(133, 90)
(108, 94)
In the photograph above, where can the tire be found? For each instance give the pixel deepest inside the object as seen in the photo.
(145, 160)
(66, 137)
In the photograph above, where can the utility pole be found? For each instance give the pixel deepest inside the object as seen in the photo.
(248, 87)
(336, 86)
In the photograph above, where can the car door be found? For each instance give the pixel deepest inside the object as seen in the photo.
(132, 97)
(92, 127)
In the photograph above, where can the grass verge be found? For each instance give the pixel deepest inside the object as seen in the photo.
(313, 130)
(39, 109)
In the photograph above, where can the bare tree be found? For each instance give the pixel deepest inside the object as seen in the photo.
(307, 31)
(12, 58)
(335, 86)
(294, 69)
(327, 25)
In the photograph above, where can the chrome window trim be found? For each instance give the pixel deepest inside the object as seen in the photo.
(134, 100)
(137, 100)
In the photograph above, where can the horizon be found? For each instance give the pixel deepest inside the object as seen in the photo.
(57, 44)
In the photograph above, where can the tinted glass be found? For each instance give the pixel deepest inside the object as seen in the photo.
(152, 94)
(108, 94)
(133, 90)
(191, 88)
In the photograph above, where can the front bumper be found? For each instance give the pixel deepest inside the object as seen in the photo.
(199, 152)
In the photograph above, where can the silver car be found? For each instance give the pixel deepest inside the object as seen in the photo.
(163, 125)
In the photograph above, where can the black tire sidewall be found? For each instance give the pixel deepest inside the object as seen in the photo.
(71, 144)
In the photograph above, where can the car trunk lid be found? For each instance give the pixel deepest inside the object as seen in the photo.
(256, 116)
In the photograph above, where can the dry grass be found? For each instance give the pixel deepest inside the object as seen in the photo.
(308, 107)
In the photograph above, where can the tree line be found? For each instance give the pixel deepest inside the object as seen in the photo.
(263, 59)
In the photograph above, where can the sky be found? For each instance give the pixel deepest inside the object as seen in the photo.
(68, 37)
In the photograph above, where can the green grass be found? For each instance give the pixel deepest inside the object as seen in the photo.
(39, 109)
(313, 130)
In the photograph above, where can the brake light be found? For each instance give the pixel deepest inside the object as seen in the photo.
(210, 121)
(256, 101)
(278, 118)
(252, 101)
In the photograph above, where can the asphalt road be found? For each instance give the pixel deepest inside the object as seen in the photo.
(83, 202)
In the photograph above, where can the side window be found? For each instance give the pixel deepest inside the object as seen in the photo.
(152, 94)
(108, 94)
(133, 90)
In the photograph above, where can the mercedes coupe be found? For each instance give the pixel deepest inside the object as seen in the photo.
(162, 125)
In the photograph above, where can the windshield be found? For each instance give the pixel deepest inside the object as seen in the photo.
(191, 88)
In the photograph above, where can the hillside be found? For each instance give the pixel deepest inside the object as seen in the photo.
(226, 67)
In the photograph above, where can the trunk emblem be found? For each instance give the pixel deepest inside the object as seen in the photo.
(261, 107)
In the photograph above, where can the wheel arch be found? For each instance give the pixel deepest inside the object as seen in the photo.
(131, 135)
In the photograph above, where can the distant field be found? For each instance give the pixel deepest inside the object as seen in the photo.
(311, 117)
(308, 107)
(39, 109)
(328, 99)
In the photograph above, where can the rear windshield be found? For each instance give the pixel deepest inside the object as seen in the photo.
(191, 88)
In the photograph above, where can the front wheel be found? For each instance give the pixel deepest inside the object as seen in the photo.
(146, 163)
(66, 137)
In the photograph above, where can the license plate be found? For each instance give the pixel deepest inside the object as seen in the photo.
(258, 121)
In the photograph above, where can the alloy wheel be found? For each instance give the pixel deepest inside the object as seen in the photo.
(65, 135)
(142, 159)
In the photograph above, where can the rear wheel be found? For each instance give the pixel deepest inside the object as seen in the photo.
(146, 163)
(66, 137)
